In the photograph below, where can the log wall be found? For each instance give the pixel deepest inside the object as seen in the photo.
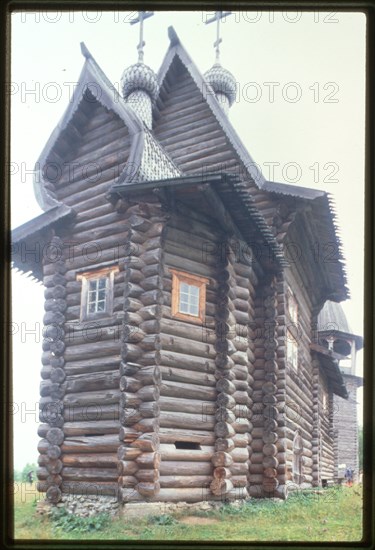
(326, 450)
(139, 456)
(345, 429)
(81, 371)
(187, 358)
(300, 383)
(52, 387)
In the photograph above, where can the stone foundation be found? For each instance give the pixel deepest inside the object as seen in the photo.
(86, 506)
(83, 505)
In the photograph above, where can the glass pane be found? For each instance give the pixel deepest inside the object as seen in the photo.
(184, 288)
(193, 310)
(194, 291)
(101, 306)
(92, 285)
(102, 283)
(184, 307)
(101, 295)
(194, 300)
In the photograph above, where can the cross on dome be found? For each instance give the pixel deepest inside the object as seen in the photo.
(219, 15)
(221, 80)
(142, 15)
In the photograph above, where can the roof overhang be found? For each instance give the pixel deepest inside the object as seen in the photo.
(329, 362)
(29, 240)
(231, 199)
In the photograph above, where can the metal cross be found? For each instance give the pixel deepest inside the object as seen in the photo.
(217, 17)
(142, 15)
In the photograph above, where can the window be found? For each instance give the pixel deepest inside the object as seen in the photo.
(188, 296)
(97, 292)
(291, 349)
(291, 329)
(292, 306)
(297, 458)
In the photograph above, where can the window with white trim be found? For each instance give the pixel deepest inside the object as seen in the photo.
(97, 292)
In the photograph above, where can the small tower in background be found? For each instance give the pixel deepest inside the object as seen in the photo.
(336, 335)
(139, 83)
(221, 80)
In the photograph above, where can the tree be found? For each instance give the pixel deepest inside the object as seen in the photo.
(29, 467)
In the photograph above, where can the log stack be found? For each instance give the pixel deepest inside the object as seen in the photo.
(316, 429)
(225, 327)
(139, 456)
(52, 387)
(280, 370)
(269, 390)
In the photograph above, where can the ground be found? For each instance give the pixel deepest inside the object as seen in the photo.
(334, 514)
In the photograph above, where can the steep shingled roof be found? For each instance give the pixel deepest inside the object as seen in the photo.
(142, 140)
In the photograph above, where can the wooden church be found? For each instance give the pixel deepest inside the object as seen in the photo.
(181, 356)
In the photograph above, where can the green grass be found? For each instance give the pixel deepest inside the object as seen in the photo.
(334, 515)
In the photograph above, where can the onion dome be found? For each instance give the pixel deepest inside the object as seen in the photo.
(140, 89)
(223, 83)
(139, 77)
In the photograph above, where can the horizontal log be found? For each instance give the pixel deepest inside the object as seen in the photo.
(93, 412)
(184, 405)
(99, 488)
(89, 474)
(85, 460)
(91, 444)
(96, 427)
(185, 481)
(178, 420)
(92, 398)
(147, 475)
(186, 390)
(173, 358)
(92, 365)
(181, 468)
(186, 376)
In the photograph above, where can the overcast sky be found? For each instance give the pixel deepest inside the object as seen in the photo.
(299, 112)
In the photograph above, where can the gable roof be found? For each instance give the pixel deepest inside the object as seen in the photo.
(109, 98)
(176, 49)
(260, 198)
(265, 195)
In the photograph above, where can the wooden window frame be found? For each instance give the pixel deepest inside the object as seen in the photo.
(98, 273)
(179, 277)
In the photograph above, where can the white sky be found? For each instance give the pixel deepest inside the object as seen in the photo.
(313, 126)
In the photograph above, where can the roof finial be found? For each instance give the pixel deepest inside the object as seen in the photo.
(217, 17)
(142, 15)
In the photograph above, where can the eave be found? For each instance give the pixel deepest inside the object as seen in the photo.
(28, 240)
(233, 197)
(329, 362)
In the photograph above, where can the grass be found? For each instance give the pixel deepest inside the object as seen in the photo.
(333, 515)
